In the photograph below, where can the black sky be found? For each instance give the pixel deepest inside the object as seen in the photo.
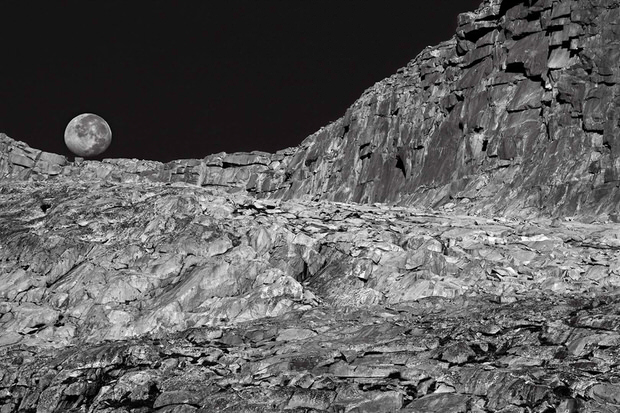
(183, 79)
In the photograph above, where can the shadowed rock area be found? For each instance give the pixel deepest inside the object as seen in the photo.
(449, 245)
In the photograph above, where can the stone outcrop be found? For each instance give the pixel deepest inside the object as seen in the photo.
(517, 114)
(258, 173)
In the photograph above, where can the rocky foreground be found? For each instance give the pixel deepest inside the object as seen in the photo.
(174, 298)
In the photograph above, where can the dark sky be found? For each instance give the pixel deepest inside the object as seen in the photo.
(183, 79)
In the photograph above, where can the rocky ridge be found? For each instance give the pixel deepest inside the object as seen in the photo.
(485, 281)
(517, 114)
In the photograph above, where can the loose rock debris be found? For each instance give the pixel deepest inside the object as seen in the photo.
(135, 298)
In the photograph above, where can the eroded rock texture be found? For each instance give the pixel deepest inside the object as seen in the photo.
(486, 280)
(175, 298)
(518, 112)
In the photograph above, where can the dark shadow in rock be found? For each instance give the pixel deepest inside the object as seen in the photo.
(509, 4)
(401, 165)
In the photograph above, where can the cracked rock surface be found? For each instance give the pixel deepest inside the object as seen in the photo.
(175, 298)
(451, 244)
(544, 352)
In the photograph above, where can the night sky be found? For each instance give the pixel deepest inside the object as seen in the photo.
(184, 79)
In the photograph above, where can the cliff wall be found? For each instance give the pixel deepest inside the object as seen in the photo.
(518, 113)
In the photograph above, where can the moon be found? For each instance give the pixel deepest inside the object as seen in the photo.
(88, 135)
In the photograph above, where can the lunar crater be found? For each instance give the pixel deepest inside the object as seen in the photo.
(88, 135)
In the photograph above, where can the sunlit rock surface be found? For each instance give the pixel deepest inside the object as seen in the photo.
(133, 297)
(485, 280)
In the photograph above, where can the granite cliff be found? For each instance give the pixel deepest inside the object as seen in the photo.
(516, 114)
(448, 245)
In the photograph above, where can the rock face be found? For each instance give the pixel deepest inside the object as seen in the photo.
(517, 114)
(256, 282)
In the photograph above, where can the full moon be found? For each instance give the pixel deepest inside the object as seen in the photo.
(88, 135)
